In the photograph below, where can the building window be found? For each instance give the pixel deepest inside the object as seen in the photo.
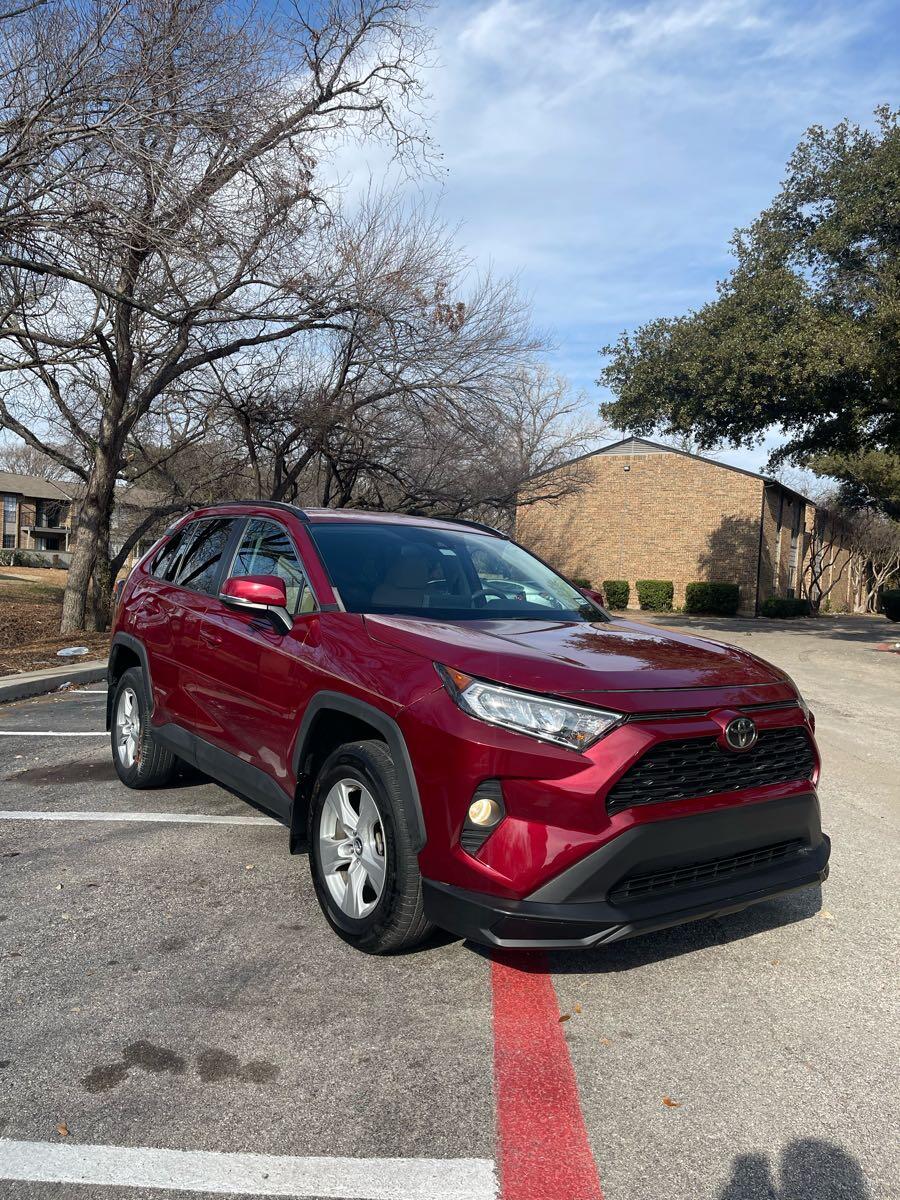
(9, 510)
(49, 514)
(9, 541)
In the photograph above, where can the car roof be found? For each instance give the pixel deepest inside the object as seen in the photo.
(359, 516)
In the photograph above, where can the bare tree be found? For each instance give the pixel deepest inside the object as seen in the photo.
(185, 228)
(23, 459)
(828, 551)
(510, 445)
(876, 546)
(425, 399)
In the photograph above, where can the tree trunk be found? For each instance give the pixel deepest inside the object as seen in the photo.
(86, 601)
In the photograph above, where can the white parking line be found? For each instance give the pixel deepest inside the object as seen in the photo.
(249, 1174)
(49, 733)
(184, 818)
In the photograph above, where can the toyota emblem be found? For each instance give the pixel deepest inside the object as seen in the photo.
(740, 734)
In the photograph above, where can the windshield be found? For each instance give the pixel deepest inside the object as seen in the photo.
(415, 570)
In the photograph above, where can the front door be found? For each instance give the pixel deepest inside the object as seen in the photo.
(257, 679)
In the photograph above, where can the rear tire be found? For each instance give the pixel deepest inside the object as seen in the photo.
(139, 760)
(364, 868)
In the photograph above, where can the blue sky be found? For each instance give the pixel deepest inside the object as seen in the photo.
(605, 152)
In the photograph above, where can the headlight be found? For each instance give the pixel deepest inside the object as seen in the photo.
(572, 725)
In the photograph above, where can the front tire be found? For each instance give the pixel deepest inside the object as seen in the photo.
(139, 760)
(364, 868)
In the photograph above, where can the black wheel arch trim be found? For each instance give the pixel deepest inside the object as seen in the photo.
(128, 642)
(393, 735)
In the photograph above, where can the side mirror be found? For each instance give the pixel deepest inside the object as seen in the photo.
(591, 594)
(259, 593)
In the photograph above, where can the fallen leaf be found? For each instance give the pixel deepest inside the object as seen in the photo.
(62, 1129)
(578, 1006)
(826, 915)
(565, 1017)
(670, 1103)
(775, 962)
(605, 1042)
(249, 866)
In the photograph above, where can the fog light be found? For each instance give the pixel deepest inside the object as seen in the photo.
(484, 812)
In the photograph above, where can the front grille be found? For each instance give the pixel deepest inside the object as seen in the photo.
(700, 767)
(696, 875)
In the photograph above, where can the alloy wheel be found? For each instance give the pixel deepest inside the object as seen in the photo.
(352, 848)
(128, 727)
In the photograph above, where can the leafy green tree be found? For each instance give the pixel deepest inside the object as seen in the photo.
(804, 333)
(870, 480)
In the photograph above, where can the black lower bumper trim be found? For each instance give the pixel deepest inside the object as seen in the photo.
(584, 907)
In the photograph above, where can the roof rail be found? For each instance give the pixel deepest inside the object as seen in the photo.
(475, 525)
(291, 508)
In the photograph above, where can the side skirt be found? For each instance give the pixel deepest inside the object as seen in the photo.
(248, 781)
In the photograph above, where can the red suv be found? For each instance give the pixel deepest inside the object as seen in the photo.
(459, 736)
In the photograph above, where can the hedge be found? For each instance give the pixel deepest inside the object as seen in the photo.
(22, 558)
(720, 599)
(616, 592)
(785, 606)
(890, 604)
(580, 581)
(655, 595)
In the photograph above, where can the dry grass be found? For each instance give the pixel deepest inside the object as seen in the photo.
(46, 576)
(30, 607)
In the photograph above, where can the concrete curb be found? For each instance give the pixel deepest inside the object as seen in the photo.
(37, 683)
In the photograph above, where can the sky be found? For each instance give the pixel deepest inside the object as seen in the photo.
(604, 152)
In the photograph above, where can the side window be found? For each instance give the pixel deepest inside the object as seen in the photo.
(198, 566)
(266, 549)
(166, 562)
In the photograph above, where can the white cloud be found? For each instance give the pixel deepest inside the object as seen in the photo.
(607, 150)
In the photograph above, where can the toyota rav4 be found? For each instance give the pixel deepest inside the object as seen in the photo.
(457, 735)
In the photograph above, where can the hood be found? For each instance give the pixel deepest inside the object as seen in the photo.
(577, 658)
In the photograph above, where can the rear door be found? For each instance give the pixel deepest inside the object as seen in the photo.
(257, 679)
(187, 570)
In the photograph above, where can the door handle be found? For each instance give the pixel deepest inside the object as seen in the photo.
(209, 637)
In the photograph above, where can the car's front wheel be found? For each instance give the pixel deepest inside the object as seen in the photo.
(139, 760)
(364, 867)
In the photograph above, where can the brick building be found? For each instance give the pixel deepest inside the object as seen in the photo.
(37, 514)
(649, 511)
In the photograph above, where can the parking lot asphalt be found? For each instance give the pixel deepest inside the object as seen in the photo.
(170, 984)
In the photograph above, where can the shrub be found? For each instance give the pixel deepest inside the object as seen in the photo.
(721, 599)
(580, 581)
(22, 558)
(655, 595)
(616, 592)
(785, 606)
(890, 604)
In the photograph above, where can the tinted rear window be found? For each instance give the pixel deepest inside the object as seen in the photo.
(193, 555)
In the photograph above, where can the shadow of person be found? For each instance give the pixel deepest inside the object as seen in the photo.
(751, 1179)
(810, 1169)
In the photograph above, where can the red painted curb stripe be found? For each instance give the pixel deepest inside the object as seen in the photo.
(544, 1150)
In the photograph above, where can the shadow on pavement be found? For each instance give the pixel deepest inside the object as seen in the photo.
(809, 1169)
(861, 629)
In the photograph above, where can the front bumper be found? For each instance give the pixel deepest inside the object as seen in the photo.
(651, 876)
